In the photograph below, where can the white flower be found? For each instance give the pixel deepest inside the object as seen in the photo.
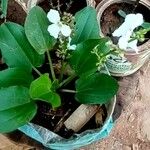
(125, 31)
(57, 27)
(53, 16)
(124, 42)
(131, 22)
(71, 47)
(133, 45)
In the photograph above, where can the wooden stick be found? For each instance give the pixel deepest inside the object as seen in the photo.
(80, 117)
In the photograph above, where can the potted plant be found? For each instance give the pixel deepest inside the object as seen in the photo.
(56, 71)
(111, 14)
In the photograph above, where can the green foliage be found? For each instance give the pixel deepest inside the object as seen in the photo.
(95, 89)
(36, 25)
(13, 118)
(86, 26)
(13, 96)
(15, 76)
(3, 7)
(15, 48)
(16, 108)
(83, 61)
(103, 46)
(23, 49)
(40, 89)
(146, 25)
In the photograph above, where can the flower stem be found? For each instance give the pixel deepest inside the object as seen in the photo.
(36, 70)
(68, 91)
(51, 65)
(68, 80)
(107, 69)
(63, 66)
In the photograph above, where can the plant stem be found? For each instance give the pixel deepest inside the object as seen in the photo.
(68, 91)
(63, 66)
(58, 5)
(36, 70)
(68, 80)
(132, 39)
(107, 70)
(51, 65)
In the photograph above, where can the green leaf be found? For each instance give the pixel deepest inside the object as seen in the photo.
(122, 13)
(15, 48)
(13, 96)
(103, 46)
(82, 60)
(15, 76)
(4, 4)
(146, 25)
(40, 86)
(95, 89)
(14, 118)
(36, 25)
(86, 26)
(52, 98)
(40, 89)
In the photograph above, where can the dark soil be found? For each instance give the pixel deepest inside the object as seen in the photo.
(49, 118)
(111, 20)
(70, 6)
(15, 13)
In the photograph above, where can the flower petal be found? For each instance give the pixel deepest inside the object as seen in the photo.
(54, 30)
(121, 31)
(71, 47)
(65, 30)
(53, 16)
(123, 41)
(134, 20)
(133, 45)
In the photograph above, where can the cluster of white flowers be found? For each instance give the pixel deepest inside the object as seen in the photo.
(57, 27)
(125, 31)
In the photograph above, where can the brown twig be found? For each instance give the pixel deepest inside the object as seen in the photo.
(69, 5)
(61, 121)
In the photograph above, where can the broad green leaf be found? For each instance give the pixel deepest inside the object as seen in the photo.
(103, 46)
(36, 25)
(52, 98)
(146, 25)
(15, 76)
(95, 89)
(13, 96)
(40, 86)
(4, 4)
(40, 89)
(86, 26)
(15, 48)
(82, 60)
(14, 118)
